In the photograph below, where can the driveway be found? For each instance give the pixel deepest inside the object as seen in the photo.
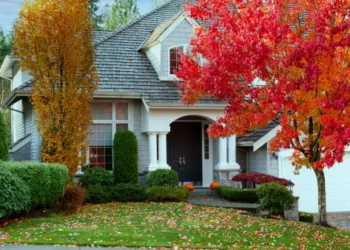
(339, 220)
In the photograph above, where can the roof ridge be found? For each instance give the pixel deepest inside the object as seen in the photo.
(132, 23)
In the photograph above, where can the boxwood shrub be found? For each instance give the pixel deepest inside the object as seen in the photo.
(159, 194)
(127, 192)
(163, 178)
(59, 177)
(238, 195)
(125, 157)
(14, 193)
(98, 194)
(306, 217)
(4, 152)
(96, 175)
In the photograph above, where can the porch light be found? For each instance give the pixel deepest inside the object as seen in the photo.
(290, 185)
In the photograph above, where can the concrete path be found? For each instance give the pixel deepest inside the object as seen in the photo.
(217, 201)
(33, 247)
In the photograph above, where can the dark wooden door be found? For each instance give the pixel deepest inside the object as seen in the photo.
(184, 144)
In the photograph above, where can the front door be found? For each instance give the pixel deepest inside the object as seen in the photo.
(184, 144)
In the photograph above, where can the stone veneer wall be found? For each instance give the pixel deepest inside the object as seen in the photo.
(293, 214)
(224, 177)
(22, 154)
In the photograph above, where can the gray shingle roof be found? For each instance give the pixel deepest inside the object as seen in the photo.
(256, 135)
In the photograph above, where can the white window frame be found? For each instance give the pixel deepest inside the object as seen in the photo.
(185, 46)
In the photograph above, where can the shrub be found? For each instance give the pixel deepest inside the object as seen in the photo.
(72, 199)
(275, 197)
(259, 178)
(238, 195)
(306, 217)
(97, 194)
(127, 192)
(163, 178)
(14, 193)
(96, 175)
(160, 194)
(125, 157)
(4, 151)
(38, 179)
(59, 177)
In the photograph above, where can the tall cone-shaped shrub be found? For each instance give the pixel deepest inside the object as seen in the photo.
(4, 151)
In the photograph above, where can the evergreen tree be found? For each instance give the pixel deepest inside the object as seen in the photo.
(122, 12)
(4, 152)
(96, 18)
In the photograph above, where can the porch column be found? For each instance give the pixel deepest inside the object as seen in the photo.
(232, 161)
(152, 137)
(222, 154)
(162, 151)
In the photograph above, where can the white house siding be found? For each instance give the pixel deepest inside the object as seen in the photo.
(142, 138)
(242, 158)
(180, 36)
(30, 128)
(17, 121)
(258, 160)
(154, 55)
(272, 164)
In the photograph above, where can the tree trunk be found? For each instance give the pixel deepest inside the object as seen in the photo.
(321, 183)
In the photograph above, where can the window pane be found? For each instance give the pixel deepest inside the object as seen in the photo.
(175, 58)
(102, 111)
(122, 127)
(122, 111)
(100, 145)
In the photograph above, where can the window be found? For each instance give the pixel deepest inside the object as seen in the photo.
(108, 118)
(100, 146)
(175, 58)
(206, 143)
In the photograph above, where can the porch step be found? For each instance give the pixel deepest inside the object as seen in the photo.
(203, 192)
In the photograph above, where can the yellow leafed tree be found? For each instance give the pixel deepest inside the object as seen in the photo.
(54, 42)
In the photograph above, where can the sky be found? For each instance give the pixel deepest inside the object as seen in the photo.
(9, 10)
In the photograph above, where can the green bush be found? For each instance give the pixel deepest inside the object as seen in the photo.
(163, 178)
(275, 197)
(59, 177)
(4, 151)
(160, 194)
(127, 192)
(96, 175)
(125, 157)
(37, 177)
(306, 217)
(238, 195)
(98, 194)
(14, 193)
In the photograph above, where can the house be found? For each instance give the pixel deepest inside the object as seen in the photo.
(137, 92)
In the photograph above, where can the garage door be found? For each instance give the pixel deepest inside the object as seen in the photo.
(337, 186)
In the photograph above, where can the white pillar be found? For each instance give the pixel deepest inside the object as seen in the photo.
(222, 154)
(162, 151)
(232, 161)
(152, 138)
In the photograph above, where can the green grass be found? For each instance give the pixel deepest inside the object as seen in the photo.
(171, 224)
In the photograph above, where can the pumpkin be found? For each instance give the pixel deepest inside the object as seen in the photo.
(214, 185)
(189, 187)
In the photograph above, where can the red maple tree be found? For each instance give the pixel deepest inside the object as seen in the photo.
(282, 61)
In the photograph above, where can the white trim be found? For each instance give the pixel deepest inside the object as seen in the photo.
(266, 138)
(6, 65)
(175, 24)
(207, 164)
(20, 144)
(117, 95)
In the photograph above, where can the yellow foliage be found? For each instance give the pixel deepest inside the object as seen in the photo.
(54, 42)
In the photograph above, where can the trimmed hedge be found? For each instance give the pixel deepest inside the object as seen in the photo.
(45, 183)
(4, 151)
(160, 194)
(97, 175)
(125, 157)
(306, 217)
(163, 178)
(124, 192)
(14, 193)
(238, 195)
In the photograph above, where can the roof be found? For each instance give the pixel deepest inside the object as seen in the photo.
(250, 138)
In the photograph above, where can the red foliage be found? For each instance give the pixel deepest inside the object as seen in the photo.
(259, 178)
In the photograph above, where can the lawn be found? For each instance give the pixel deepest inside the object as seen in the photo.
(169, 225)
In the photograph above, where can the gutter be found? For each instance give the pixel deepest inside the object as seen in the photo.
(117, 95)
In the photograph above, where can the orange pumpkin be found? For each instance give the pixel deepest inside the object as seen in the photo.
(189, 187)
(214, 185)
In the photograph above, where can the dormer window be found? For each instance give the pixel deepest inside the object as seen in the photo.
(175, 58)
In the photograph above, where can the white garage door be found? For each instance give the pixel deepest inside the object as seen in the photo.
(337, 186)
